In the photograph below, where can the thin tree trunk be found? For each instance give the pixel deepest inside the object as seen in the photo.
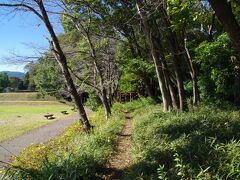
(177, 59)
(172, 90)
(196, 96)
(210, 28)
(149, 89)
(106, 105)
(104, 98)
(61, 59)
(236, 86)
(157, 56)
(103, 94)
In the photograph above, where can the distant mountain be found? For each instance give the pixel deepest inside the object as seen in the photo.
(13, 74)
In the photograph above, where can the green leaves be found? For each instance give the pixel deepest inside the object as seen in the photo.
(47, 77)
(217, 73)
(4, 81)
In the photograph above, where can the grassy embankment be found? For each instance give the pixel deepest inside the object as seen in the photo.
(200, 144)
(73, 155)
(21, 112)
(24, 96)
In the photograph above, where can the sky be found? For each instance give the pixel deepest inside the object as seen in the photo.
(22, 34)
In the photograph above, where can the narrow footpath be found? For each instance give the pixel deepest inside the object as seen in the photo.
(120, 161)
(14, 146)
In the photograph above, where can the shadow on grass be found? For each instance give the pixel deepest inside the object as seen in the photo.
(197, 141)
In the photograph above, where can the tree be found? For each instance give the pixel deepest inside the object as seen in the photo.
(152, 34)
(4, 81)
(217, 69)
(48, 77)
(225, 15)
(101, 50)
(37, 7)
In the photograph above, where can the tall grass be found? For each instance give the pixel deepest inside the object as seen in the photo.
(202, 144)
(72, 156)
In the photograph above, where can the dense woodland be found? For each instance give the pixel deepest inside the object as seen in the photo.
(179, 53)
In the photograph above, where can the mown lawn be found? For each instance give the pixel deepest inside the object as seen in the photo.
(19, 117)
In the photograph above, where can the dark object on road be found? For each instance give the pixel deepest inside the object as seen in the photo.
(64, 112)
(49, 116)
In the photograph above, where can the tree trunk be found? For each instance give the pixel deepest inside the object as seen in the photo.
(171, 87)
(97, 69)
(105, 102)
(225, 15)
(236, 86)
(177, 59)
(210, 28)
(152, 35)
(196, 96)
(61, 59)
(104, 98)
(149, 89)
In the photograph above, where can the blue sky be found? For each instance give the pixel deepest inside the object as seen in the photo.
(21, 34)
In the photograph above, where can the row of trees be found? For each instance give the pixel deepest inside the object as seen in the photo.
(169, 47)
(8, 84)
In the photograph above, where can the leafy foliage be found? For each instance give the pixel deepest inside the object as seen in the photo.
(4, 81)
(47, 78)
(134, 71)
(217, 69)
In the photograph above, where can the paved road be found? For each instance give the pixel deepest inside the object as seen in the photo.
(43, 134)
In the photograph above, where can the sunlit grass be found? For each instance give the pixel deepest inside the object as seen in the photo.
(199, 144)
(24, 96)
(19, 117)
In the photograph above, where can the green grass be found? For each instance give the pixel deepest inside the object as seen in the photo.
(17, 118)
(199, 144)
(203, 144)
(74, 155)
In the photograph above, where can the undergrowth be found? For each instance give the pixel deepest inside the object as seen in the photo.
(202, 144)
(71, 156)
(199, 144)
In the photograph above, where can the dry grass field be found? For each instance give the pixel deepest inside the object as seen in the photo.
(21, 112)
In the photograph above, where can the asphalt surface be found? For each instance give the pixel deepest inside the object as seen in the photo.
(12, 147)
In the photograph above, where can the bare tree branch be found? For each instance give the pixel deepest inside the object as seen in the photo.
(24, 6)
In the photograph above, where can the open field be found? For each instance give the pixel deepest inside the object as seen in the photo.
(25, 96)
(18, 117)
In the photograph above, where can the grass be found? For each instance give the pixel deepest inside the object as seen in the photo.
(71, 156)
(25, 96)
(17, 118)
(203, 144)
(199, 144)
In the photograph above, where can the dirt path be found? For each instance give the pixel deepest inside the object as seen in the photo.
(121, 159)
(40, 135)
